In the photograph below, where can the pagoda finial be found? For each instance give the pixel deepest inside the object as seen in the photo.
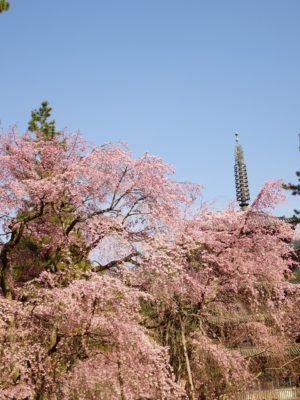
(240, 172)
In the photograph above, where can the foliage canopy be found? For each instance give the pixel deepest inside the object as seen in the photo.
(114, 285)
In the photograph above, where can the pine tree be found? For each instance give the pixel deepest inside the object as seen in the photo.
(29, 248)
(39, 123)
(4, 5)
(295, 190)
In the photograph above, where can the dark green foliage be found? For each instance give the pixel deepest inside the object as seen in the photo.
(295, 190)
(4, 5)
(31, 255)
(39, 123)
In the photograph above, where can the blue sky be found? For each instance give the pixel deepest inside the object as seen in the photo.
(175, 78)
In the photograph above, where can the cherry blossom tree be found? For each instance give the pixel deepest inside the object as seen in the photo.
(83, 341)
(115, 286)
(69, 331)
(221, 284)
(61, 199)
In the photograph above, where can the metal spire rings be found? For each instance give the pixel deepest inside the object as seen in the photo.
(240, 172)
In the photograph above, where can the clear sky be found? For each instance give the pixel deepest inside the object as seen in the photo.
(176, 78)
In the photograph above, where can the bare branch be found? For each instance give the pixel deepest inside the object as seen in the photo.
(118, 185)
(115, 263)
(285, 364)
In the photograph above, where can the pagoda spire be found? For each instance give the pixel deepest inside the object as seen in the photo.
(240, 172)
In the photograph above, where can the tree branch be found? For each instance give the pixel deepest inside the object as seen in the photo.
(115, 263)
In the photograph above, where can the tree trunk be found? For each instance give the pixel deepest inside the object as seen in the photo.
(121, 381)
(187, 361)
